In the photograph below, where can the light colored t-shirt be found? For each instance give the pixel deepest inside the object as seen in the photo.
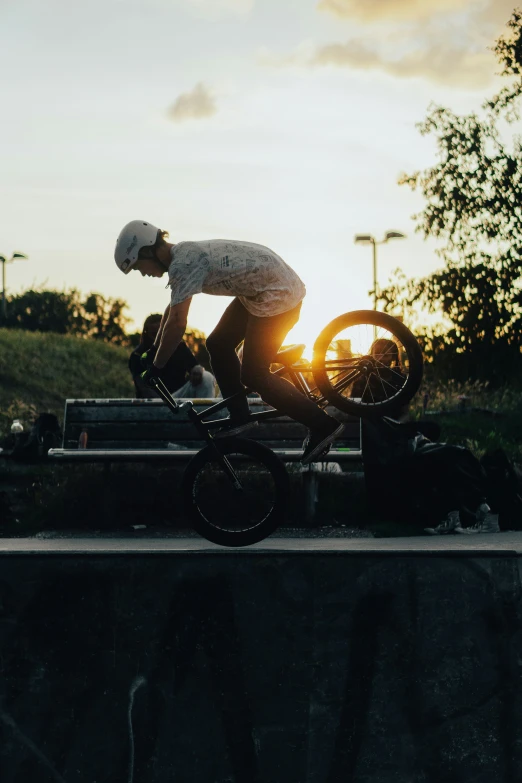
(204, 390)
(260, 279)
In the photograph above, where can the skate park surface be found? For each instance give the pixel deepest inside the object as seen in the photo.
(300, 660)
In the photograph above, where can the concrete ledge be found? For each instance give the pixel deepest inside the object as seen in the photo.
(181, 455)
(319, 661)
(507, 544)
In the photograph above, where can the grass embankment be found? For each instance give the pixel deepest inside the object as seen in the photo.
(39, 371)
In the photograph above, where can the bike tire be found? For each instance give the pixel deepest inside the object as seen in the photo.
(227, 516)
(395, 331)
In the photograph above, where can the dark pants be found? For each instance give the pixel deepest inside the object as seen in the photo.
(452, 471)
(263, 338)
(443, 477)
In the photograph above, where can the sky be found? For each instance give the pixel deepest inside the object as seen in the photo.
(283, 122)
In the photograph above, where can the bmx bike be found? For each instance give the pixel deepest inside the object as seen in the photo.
(235, 490)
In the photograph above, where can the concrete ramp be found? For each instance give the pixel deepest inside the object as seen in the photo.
(290, 662)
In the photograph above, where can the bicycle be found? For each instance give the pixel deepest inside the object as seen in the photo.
(235, 489)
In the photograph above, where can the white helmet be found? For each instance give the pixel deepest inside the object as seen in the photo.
(132, 238)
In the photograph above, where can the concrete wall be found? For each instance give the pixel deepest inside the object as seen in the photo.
(272, 667)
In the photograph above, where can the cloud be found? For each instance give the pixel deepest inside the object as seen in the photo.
(375, 10)
(215, 8)
(302, 55)
(445, 41)
(440, 61)
(194, 105)
(497, 12)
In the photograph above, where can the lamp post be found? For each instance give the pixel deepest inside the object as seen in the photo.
(368, 239)
(4, 262)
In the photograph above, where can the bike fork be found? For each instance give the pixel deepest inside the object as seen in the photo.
(227, 467)
(193, 416)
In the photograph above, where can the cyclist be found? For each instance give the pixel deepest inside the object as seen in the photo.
(267, 300)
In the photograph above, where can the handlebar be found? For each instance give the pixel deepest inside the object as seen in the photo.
(164, 393)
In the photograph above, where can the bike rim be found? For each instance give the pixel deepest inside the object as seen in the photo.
(227, 508)
(367, 364)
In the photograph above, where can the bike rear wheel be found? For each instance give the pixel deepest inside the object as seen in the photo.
(367, 363)
(227, 514)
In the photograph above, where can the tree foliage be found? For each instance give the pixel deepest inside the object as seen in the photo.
(196, 341)
(473, 200)
(91, 315)
(68, 312)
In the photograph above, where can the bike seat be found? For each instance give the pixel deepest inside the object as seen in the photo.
(291, 355)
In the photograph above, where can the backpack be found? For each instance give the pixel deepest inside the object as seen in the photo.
(44, 434)
(503, 490)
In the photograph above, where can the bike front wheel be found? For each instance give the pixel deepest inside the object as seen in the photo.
(367, 363)
(241, 509)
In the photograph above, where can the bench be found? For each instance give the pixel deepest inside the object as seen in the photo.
(145, 429)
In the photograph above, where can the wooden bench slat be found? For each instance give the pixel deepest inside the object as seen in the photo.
(163, 430)
(192, 444)
(109, 413)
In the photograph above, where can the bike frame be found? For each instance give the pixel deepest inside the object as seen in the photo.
(204, 427)
(198, 419)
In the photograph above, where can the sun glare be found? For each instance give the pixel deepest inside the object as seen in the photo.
(306, 332)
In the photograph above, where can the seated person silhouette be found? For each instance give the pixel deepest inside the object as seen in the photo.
(439, 480)
(201, 385)
(390, 377)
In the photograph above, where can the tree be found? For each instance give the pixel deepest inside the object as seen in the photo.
(45, 311)
(196, 341)
(103, 319)
(65, 312)
(474, 203)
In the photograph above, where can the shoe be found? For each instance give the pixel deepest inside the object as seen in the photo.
(450, 525)
(236, 424)
(486, 522)
(318, 443)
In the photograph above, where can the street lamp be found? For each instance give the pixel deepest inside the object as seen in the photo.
(367, 239)
(4, 262)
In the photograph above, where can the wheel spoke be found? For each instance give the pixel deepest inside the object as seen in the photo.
(382, 384)
(391, 370)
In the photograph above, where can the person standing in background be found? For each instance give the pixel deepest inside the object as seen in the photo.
(181, 361)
